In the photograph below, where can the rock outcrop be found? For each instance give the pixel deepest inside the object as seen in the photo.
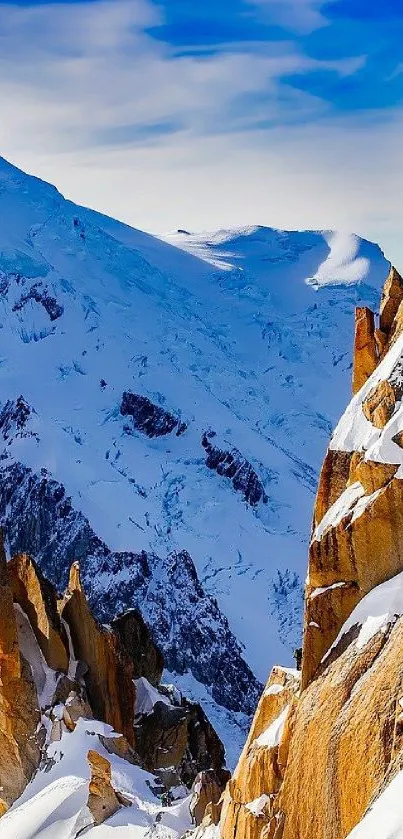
(103, 800)
(148, 418)
(370, 343)
(379, 405)
(251, 793)
(365, 348)
(40, 294)
(207, 792)
(19, 708)
(59, 665)
(136, 639)
(231, 464)
(38, 600)
(320, 753)
(176, 741)
(392, 297)
(110, 673)
(185, 623)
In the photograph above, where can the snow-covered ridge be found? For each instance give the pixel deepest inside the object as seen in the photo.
(345, 264)
(354, 432)
(230, 340)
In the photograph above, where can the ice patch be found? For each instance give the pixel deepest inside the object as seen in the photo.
(272, 736)
(274, 690)
(257, 806)
(374, 612)
(147, 696)
(339, 510)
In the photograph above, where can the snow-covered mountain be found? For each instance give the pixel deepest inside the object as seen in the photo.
(165, 407)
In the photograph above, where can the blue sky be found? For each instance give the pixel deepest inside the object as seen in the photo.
(202, 114)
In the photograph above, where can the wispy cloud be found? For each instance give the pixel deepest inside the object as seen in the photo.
(122, 112)
(79, 75)
(300, 16)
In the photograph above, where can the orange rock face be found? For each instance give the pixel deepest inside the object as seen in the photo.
(110, 674)
(370, 474)
(251, 793)
(380, 404)
(103, 800)
(332, 482)
(342, 563)
(342, 735)
(343, 739)
(392, 297)
(19, 712)
(206, 792)
(365, 347)
(38, 600)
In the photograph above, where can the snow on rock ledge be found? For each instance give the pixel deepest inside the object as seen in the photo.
(360, 495)
(374, 613)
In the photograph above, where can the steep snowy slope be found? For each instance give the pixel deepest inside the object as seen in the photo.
(54, 804)
(172, 418)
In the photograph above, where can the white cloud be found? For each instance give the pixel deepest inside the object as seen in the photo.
(72, 73)
(82, 86)
(398, 71)
(301, 16)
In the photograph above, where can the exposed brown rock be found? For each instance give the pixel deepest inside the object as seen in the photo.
(136, 639)
(346, 553)
(213, 812)
(109, 678)
(371, 474)
(365, 357)
(71, 693)
(182, 737)
(120, 747)
(397, 327)
(398, 439)
(19, 713)
(103, 800)
(325, 614)
(392, 296)
(38, 600)
(343, 740)
(206, 792)
(381, 341)
(379, 405)
(332, 482)
(344, 735)
(61, 722)
(174, 741)
(260, 768)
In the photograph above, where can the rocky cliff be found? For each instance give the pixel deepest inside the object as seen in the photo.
(325, 750)
(62, 673)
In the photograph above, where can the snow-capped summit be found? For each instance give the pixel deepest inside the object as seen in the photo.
(163, 404)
